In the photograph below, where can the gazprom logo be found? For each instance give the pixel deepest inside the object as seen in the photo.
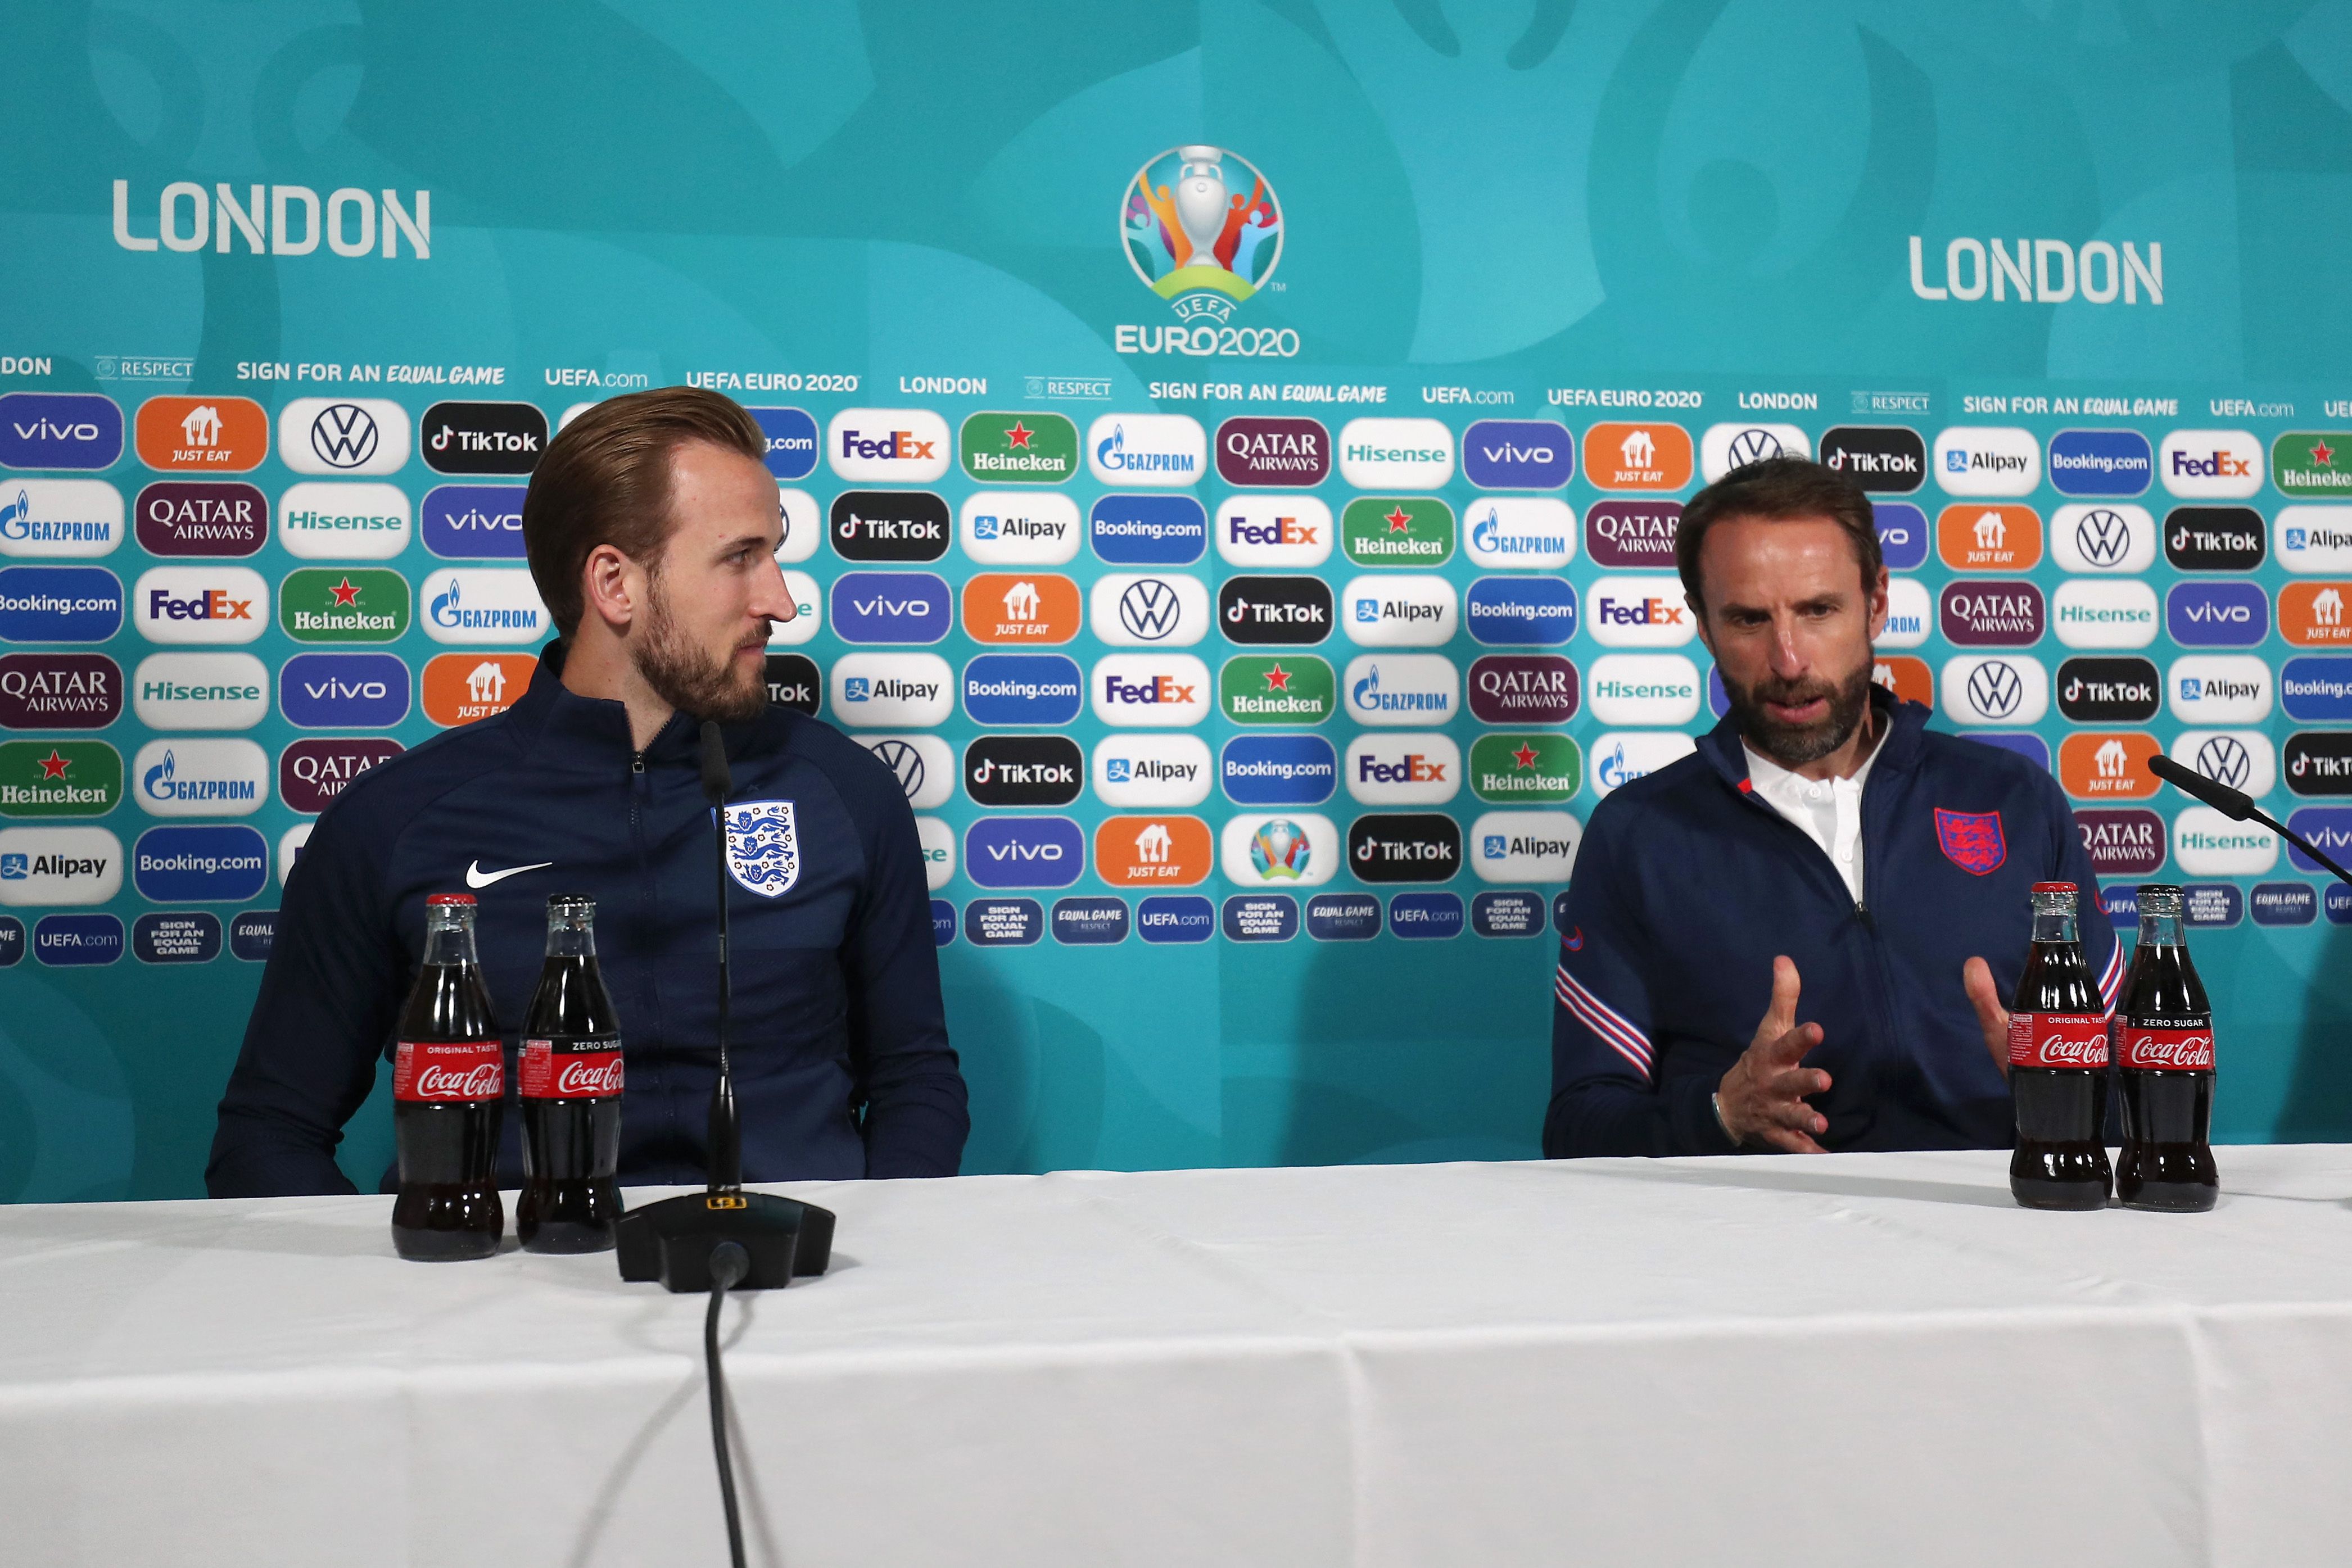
(483, 605)
(1156, 450)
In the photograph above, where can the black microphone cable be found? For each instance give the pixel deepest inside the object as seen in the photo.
(729, 1264)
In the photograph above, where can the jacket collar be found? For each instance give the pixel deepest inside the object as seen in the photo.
(560, 726)
(1906, 725)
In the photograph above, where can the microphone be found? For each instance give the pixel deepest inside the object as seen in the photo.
(726, 1133)
(2236, 805)
(723, 1236)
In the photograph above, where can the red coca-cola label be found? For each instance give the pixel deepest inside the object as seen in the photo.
(2058, 1039)
(572, 1069)
(442, 1071)
(2150, 1049)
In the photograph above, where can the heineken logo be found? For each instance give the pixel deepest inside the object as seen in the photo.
(1290, 688)
(1397, 530)
(1526, 766)
(59, 778)
(342, 604)
(1019, 448)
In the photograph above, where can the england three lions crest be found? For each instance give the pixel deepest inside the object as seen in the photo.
(763, 846)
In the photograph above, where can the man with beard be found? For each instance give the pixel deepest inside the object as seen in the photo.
(651, 526)
(1822, 856)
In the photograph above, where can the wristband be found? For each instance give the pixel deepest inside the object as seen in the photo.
(1717, 1100)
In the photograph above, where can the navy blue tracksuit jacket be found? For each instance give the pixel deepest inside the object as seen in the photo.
(840, 1048)
(1686, 886)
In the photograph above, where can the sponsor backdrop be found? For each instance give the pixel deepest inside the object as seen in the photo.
(1231, 459)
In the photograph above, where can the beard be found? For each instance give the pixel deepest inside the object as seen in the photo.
(686, 677)
(1794, 745)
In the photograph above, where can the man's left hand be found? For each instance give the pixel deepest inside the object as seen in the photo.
(1975, 978)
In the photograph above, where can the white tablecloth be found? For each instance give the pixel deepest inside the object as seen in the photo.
(1864, 1359)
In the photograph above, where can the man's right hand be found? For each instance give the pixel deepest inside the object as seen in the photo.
(1762, 1098)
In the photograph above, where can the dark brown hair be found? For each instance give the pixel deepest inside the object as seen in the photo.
(605, 479)
(1779, 489)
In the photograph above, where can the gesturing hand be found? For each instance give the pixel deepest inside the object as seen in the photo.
(1975, 978)
(1762, 1098)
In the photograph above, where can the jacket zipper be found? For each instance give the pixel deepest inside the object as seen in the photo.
(1881, 1014)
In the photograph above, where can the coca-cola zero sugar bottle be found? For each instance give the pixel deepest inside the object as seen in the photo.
(2165, 1059)
(570, 1069)
(2058, 1065)
(448, 1087)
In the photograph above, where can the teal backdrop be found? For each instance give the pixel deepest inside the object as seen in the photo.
(1672, 216)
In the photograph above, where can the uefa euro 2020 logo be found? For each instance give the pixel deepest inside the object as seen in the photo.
(1202, 228)
(1279, 851)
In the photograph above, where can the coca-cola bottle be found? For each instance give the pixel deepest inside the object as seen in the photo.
(2058, 1065)
(570, 1072)
(2165, 1056)
(448, 1087)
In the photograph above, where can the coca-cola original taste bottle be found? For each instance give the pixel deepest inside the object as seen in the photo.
(2164, 1058)
(448, 1083)
(2058, 1065)
(571, 1073)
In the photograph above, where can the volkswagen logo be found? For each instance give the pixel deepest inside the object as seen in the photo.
(905, 762)
(1753, 447)
(343, 435)
(2103, 535)
(2224, 759)
(1994, 689)
(1148, 609)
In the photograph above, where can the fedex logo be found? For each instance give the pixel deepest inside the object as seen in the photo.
(214, 604)
(867, 445)
(1240, 530)
(1651, 612)
(1410, 769)
(2212, 465)
(1158, 689)
(899, 445)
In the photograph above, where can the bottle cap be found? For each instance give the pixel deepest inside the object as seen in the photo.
(450, 898)
(2055, 887)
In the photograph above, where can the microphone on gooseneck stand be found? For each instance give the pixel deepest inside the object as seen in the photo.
(724, 1236)
(2236, 805)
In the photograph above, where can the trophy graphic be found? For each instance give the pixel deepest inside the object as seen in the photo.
(1197, 241)
(1201, 205)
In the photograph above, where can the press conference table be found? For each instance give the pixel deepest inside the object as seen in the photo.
(1864, 1359)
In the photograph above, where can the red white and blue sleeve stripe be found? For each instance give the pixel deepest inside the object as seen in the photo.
(1612, 1026)
(2111, 979)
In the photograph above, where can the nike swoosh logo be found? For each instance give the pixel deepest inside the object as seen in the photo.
(477, 877)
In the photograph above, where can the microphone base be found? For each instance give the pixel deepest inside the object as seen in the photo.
(671, 1241)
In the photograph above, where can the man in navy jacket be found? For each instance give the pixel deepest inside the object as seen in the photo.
(1823, 855)
(652, 525)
